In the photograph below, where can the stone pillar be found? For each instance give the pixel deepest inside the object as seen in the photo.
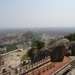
(52, 64)
(49, 66)
(31, 66)
(49, 57)
(45, 58)
(35, 64)
(28, 67)
(40, 62)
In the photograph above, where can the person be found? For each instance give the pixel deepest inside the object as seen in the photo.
(16, 70)
(4, 70)
(9, 66)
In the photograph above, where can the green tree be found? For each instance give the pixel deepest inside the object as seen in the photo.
(25, 57)
(70, 37)
(1, 52)
(39, 44)
(29, 55)
(11, 47)
(31, 52)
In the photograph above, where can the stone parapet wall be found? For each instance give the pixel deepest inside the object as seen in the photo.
(33, 66)
(8, 53)
(7, 73)
(39, 70)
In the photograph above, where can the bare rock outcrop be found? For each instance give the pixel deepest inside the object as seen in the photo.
(59, 49)
(56, 51)
(72, 47)
(69, 53)
(44, 52)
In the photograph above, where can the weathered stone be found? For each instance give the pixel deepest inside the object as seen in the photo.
(41, 54)
(72, 72)
(69, 52)
(72, 47)
(56, 51)
(59, 49)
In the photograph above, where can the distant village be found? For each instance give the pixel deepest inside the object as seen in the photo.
(45, 38)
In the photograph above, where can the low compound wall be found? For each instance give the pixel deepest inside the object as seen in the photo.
(34, 69)
(8, 53)
(7, 73)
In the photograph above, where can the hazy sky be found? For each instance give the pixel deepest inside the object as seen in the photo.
(37, 13)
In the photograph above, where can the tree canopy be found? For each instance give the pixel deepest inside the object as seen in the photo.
(11, 47)
(29, 55)
(70, 37)
(32, 52)
(39, 44)
(25, 57)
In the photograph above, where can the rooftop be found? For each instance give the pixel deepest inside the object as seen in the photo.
(57, 66)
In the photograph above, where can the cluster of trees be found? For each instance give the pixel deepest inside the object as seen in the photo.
(1, 52)
(9, 47)
(31, 53)
(70, 37)
(39, 44)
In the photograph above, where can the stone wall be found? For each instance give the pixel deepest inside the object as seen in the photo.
(34, 68)
(8, 53)
(7, 73)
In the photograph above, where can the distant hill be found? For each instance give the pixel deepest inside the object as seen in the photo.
(30, 36)
(16, 37)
